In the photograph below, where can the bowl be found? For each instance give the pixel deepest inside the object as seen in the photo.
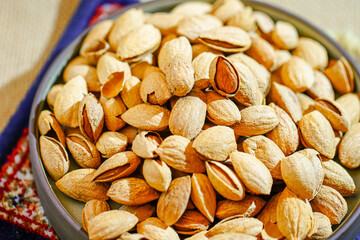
(64, 213)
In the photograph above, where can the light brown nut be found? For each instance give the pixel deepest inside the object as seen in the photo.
(154, 228)
(337, 177)
(230, 235)
(299, 174)
(147, 117)
(225, 181)
(260, 73)
(111, 224)
(203, 195)
(130, 132)
(349, 148)
(294, 215)
(262, 51)
(248, 207)
(145, 144)
(215, 143)
(178, 152)
(132, 236)
(307, 103)
(54, 157)
(316, 160)
(285, 35)
(265, 24)
(142, 212)
(68, 100)
(192, 26)
(333, 112)
(165, 22)
(201, 65)
(77, 184)
(111, 143)
(312, 52)
(225, 9)
(91, 117)
(252, 172)
(316, 132)
(199, 48)
(268, 213)
(297, 74)
(321, 88)
(244, 19)
(187, 117)
(221, 110)
(48, 125)
(281, 57)
(126, 22)
(154, 89)
(138, 69)
(285, 98)
(266, 151)
(132, 191)
(351, 104)
(191, 222)
(192, 8)
(51, 96)
(95, 44)
(285, 134)
(324, 229)
(131, 92)
(172, 203)
(83, 151)
(113, 109)
(236, 224)
(93, 208)
(341, 75)
(330, 203)
(112, 74)
(256, 120)
(157, 174)
(117, 166)
(226, 39)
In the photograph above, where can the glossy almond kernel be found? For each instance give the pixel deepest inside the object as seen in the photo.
(215, 143)
(349, 148)
(341, 75)
(157, 174)
(93, 208)
(142, 212)
(191, 222)
(111, 143)
(312, 52)
(252, 172)
(262, 52)
(154, 228)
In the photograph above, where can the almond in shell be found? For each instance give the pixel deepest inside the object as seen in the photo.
(312, 52)
(191, 222)
(157, 174)
(111, 143)
(93, 208)
(349, 148)
(142, 212)
(48, 125)
(154, 228)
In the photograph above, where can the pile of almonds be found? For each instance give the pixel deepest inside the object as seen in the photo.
(210, 120)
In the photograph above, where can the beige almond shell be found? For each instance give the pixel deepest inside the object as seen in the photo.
(113, 109)
(154, 89)
(351, 104)
(154, 228)
(198, 236)
(285, 134)
(147, 117)
(138, 43)
(126, 22)
(329, 202)
(226, 39)
(341, 75)
(221, 110)
(225, 181)
(191, 222)
(77, 184)
(132, 191)
(201, 65)
(321, 88)
(215, 143)
(281, 57)
(187, 117)
(265, 23)
(145, 144)
(178, 152)
(172, 203)
(83, 151)
(130, 94)
(262, 51)
(324, 229)
(51, 95)
(297, 74)
(93, 208)
(307, 103)
(231, 235)
(191, 27)
(244, 19)
(111, 143)
(225, 9)
(157, 174)
(192, 8)
(68, 100)
(268, 213)
(312, 52)
(111, 224)
(118, 166)
(95, 43)
(285, 35)
(142, 212)
(266, 151)
(199, 48)
(54, 157)
(349, 148)
(316, 132)
(248, 207)
(47, 124)
(256, 120)
(252, 172)
(337, 177)
(165, 22)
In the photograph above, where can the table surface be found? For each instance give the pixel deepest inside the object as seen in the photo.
(30, 29)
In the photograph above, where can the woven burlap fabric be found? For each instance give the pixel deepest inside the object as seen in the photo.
(30, 29)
